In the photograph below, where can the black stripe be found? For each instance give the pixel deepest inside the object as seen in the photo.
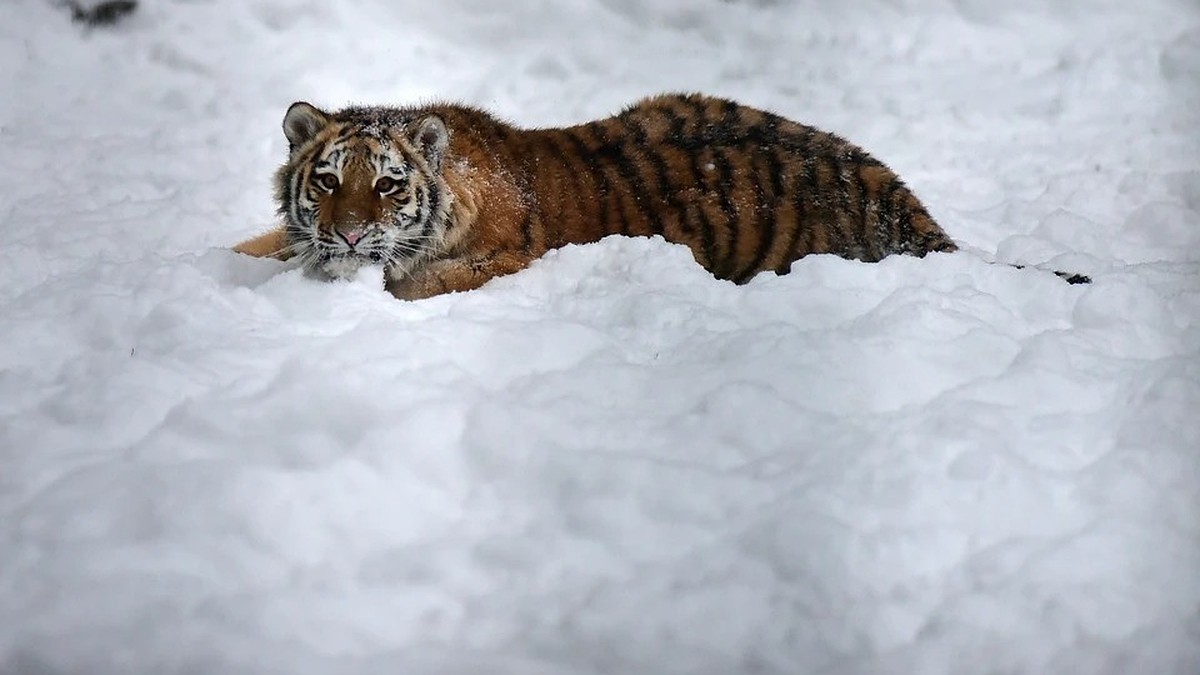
(429, 208)
(725, 175)
(876, 237)
(696, 144)
(675, 125)
(894, 216)
(833, 205)
(729, 130)
(818, 198)
(847, 223)
(599, 157)
(767, 215)
(297, 181)
(627, 171)
(864, 208)
(551, 142)
(283, 191)
(588, 157)
(727, 134)
(636, 140)
(904, 224)
(702, 137)
(527, 231)
(433, 200)
(766, 133)
(425, 197)
(674, 193)
(802, 181)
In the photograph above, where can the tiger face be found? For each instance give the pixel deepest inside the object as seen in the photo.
(363, 187)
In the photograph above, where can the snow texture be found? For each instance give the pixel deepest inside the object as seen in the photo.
(611, 462)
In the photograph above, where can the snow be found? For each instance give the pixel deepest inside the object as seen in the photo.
(611, 462)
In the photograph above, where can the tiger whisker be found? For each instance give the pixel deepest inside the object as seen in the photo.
(289, 248)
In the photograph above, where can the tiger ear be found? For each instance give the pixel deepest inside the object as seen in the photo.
(302, 122)
(431, 139)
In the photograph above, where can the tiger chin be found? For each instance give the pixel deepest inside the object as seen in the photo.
(447, 197)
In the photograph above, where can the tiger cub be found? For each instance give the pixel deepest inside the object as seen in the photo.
(447, 197)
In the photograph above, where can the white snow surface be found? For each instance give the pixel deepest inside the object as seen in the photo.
(610, 462)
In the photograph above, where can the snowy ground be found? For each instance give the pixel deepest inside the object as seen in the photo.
(610, 463)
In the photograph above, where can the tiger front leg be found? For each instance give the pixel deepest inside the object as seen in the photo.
(273, 244)
(454, 275)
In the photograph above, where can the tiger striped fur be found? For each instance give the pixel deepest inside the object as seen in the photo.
(448, 197)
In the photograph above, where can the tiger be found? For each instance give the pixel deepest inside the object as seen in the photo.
(447, 197)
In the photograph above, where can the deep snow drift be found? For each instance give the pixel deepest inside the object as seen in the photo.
(612, 462)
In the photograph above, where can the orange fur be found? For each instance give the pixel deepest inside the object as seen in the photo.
(271, 244)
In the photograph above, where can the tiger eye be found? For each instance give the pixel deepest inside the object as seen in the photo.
(385, 185)
(327, 181)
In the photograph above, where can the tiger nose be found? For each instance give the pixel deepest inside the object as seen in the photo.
(351, 235)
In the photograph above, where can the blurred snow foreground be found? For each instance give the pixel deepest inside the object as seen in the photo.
(612, 462)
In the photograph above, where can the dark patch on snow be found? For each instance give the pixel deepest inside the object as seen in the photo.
(106, 13)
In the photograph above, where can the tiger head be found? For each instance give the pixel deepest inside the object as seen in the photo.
(363, 186)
